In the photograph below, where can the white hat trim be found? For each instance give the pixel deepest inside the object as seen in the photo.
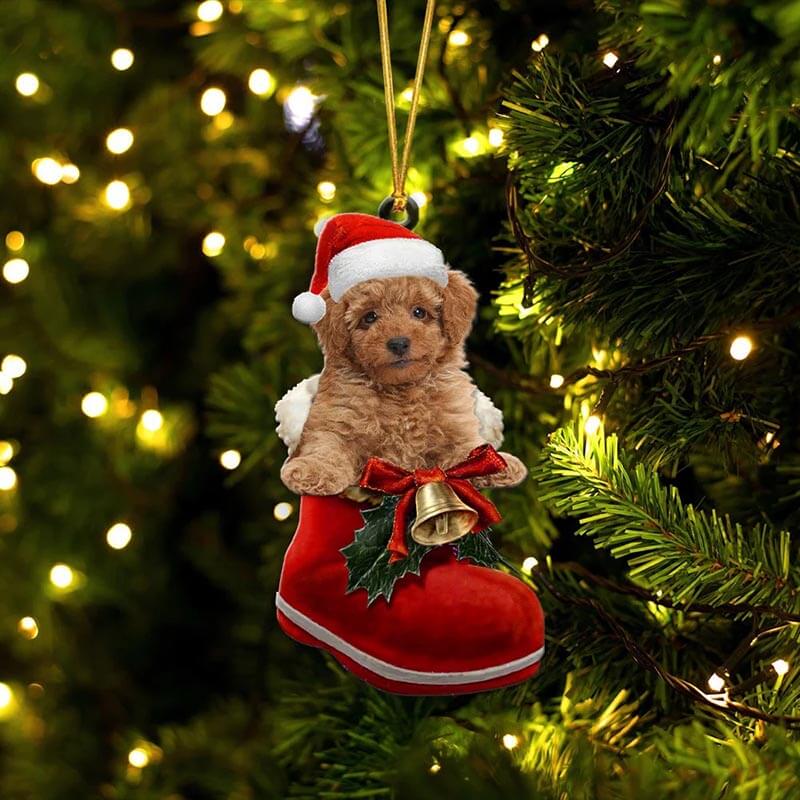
(385, 258)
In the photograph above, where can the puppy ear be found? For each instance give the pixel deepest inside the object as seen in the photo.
(332, 333)
(459, 307)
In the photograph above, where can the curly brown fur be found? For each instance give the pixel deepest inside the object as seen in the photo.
(414, 408)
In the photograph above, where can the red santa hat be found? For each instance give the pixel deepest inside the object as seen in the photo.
(353, 248)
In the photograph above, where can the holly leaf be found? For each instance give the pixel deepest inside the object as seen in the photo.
(368, 559)
(479, 548)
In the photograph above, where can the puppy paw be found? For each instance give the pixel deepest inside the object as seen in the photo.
(513, 475)
(307, 476)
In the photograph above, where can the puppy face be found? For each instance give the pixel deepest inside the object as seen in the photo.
(399, 330)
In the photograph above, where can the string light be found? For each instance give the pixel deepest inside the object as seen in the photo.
(326, 191)
(213, 101)
(510, 741)
(230, 459)
(62, 576)
(6, 452)
(15, 270)
(15, 240)
(610, 59)
(592, 424)
(717, 60)
(138, 757)
(70, 173)
(8, 479)
(119, 140)
(209, 11)
(28, 627)
(117, 195)
(122, 59)
(47, 170)
(13, 366)
(556, 381)
(94, 404)
(298, 108)
(6, 383)
(261, 82)
(496, 137)
(27, 84)
(530, 564)
(119, 536)
(6, 696)
(407, 94)
(716, 683)
(213, 243)
(459, 39)
(540, 42)
(282, 511)
(780, 666)
(152, 420)
(471, 145)
(741, 347)
(434, 768)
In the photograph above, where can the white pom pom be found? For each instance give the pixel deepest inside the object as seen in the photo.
(308, 307)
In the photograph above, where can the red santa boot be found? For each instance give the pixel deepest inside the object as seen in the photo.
(454, 628)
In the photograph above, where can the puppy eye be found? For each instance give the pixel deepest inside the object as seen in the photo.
(419, 312)
(369, 317)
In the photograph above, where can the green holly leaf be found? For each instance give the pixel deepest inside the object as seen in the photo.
(368, 559)
(479, 548)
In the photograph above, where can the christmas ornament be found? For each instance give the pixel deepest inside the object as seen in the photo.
(391, 569)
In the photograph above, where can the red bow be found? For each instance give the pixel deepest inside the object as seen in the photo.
(387, 478)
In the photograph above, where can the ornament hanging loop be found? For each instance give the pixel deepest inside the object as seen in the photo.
(399, 200)
(410, 207)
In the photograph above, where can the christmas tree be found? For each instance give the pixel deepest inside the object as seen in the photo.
(621, 180)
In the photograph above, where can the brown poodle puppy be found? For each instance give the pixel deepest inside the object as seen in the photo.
(393, 385)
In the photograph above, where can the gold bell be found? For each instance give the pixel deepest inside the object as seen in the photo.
(441, 515)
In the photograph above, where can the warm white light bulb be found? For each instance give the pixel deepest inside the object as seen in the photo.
(15, 270)
(47, 170)
(716, 683)
(15, 240)
(8, 479)
(27, 84)
(741, 347)
(610, 59)
(471, 145)
(496, 137)
(592, 424)
(122, 59)
(6, 696)
(530, 564)
(510, 741)
(119, 140)
(459, 39)
(119, 535)
(213, 243)
(28, 627)
(556, 381)
(213, 101)
(209, 10)
(138, 757)
(230, 459)
(326, 191)
(152, 420)
(94, 404)
(6, 383)
(780, 666)
(61, 576)
(282, 511)
(13, 366)
(70, 173)
(117, 195)
(261, 82)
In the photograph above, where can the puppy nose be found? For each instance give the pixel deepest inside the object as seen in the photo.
(399, 345)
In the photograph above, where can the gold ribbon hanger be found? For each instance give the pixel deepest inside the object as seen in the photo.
(399, 197)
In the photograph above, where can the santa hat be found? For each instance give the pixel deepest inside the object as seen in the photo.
(353, 248)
